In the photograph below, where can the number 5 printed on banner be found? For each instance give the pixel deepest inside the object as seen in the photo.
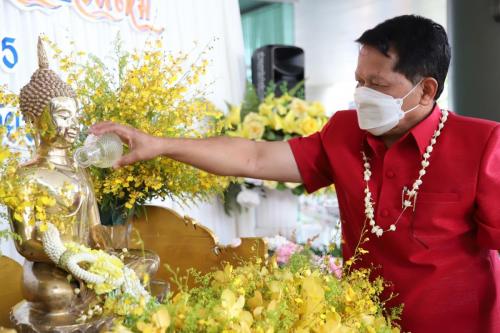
(9, 57)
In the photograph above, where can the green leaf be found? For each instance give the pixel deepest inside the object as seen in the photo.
(299, 190)
(113, 212)
(250, 101)
(281, 186)
(283, 88)
(298, 90)
(270, 89)
(269, 135)
(280, 135)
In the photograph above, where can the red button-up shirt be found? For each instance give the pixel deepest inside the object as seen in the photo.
(442, 259)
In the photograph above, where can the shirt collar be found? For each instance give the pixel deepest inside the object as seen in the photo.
(422, 133)
(424, 130)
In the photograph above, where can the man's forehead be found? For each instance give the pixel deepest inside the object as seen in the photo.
(366, 50)
(363, 50)
(374, 64)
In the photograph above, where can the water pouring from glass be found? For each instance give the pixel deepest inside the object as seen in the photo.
(100, 151)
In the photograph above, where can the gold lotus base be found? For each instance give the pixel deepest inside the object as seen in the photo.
(27, 320)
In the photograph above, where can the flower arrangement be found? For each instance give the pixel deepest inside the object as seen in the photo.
(273, 119)
(155, 92)
(262, 296)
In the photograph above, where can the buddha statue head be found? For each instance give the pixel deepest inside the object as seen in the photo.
(50, 106)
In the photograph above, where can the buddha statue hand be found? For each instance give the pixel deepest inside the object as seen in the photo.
(104, 272)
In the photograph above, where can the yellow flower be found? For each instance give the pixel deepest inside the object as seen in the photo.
(307, 126)
(233, 118)
(362, 251)
(231, 305)
(255, 301)
(275, 122)
(299, 107)
(271, 184)
(162, 318)
(4, 154)
(289, 123)
(350, 295)
(313, 295)
(43, 227)
(332, 324)
(160, 321)
(316, 109)
(254, 126)
(265, 109)
(292, 185)
(146, 279)
(281, 110)
(269, 99)
(18, 217)
(285, 98)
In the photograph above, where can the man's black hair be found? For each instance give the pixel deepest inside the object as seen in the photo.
(421, 45)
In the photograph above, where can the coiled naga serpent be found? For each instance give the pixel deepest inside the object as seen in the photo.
(104, 272)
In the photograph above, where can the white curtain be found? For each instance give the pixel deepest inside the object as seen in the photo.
(208, 22)
(214, 22)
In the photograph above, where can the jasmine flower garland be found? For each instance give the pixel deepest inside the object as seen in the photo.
(409, 196)
(105, 273)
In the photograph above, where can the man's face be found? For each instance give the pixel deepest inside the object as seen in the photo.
(376, 71)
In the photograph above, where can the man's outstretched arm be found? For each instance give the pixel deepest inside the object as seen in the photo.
(223, 156)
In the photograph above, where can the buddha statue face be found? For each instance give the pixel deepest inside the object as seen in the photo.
(58, 123)
(50, 105)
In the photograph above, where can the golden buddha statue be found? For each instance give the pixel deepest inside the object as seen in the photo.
(51, 303)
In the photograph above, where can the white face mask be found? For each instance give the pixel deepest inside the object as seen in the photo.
(377, 112)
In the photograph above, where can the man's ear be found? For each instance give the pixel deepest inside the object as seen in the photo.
(429, 90)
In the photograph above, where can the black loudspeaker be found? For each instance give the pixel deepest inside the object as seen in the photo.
(280, 64)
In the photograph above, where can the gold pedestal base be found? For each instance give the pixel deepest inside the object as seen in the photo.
(28, 320)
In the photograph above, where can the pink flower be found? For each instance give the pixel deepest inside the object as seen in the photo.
(283, 253)
(333, 267)
(329, 264)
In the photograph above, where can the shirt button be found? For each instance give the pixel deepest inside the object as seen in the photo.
(384, 212)
(390, 174)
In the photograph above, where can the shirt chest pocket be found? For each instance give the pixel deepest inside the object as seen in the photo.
(439, 215)
(437, 198)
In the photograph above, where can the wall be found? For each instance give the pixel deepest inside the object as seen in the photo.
(213, 22)
(326, 29)
(475, 54)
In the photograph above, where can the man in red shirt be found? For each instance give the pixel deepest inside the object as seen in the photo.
(424, 182)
